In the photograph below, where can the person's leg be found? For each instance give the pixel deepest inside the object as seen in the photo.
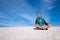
(47, 26)
(38, 27)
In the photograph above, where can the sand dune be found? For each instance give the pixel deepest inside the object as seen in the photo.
(29, 33)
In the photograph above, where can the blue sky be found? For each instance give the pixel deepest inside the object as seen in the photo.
(17, 13)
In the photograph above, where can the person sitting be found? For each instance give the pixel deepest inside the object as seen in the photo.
(41, 23)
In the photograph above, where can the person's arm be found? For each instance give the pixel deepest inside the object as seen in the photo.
(45, 22)
(36, 22)
(47, 25)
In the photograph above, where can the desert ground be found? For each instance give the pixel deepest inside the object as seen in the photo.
(29, 33)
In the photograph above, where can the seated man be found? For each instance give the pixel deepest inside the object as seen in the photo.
(41, 23)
